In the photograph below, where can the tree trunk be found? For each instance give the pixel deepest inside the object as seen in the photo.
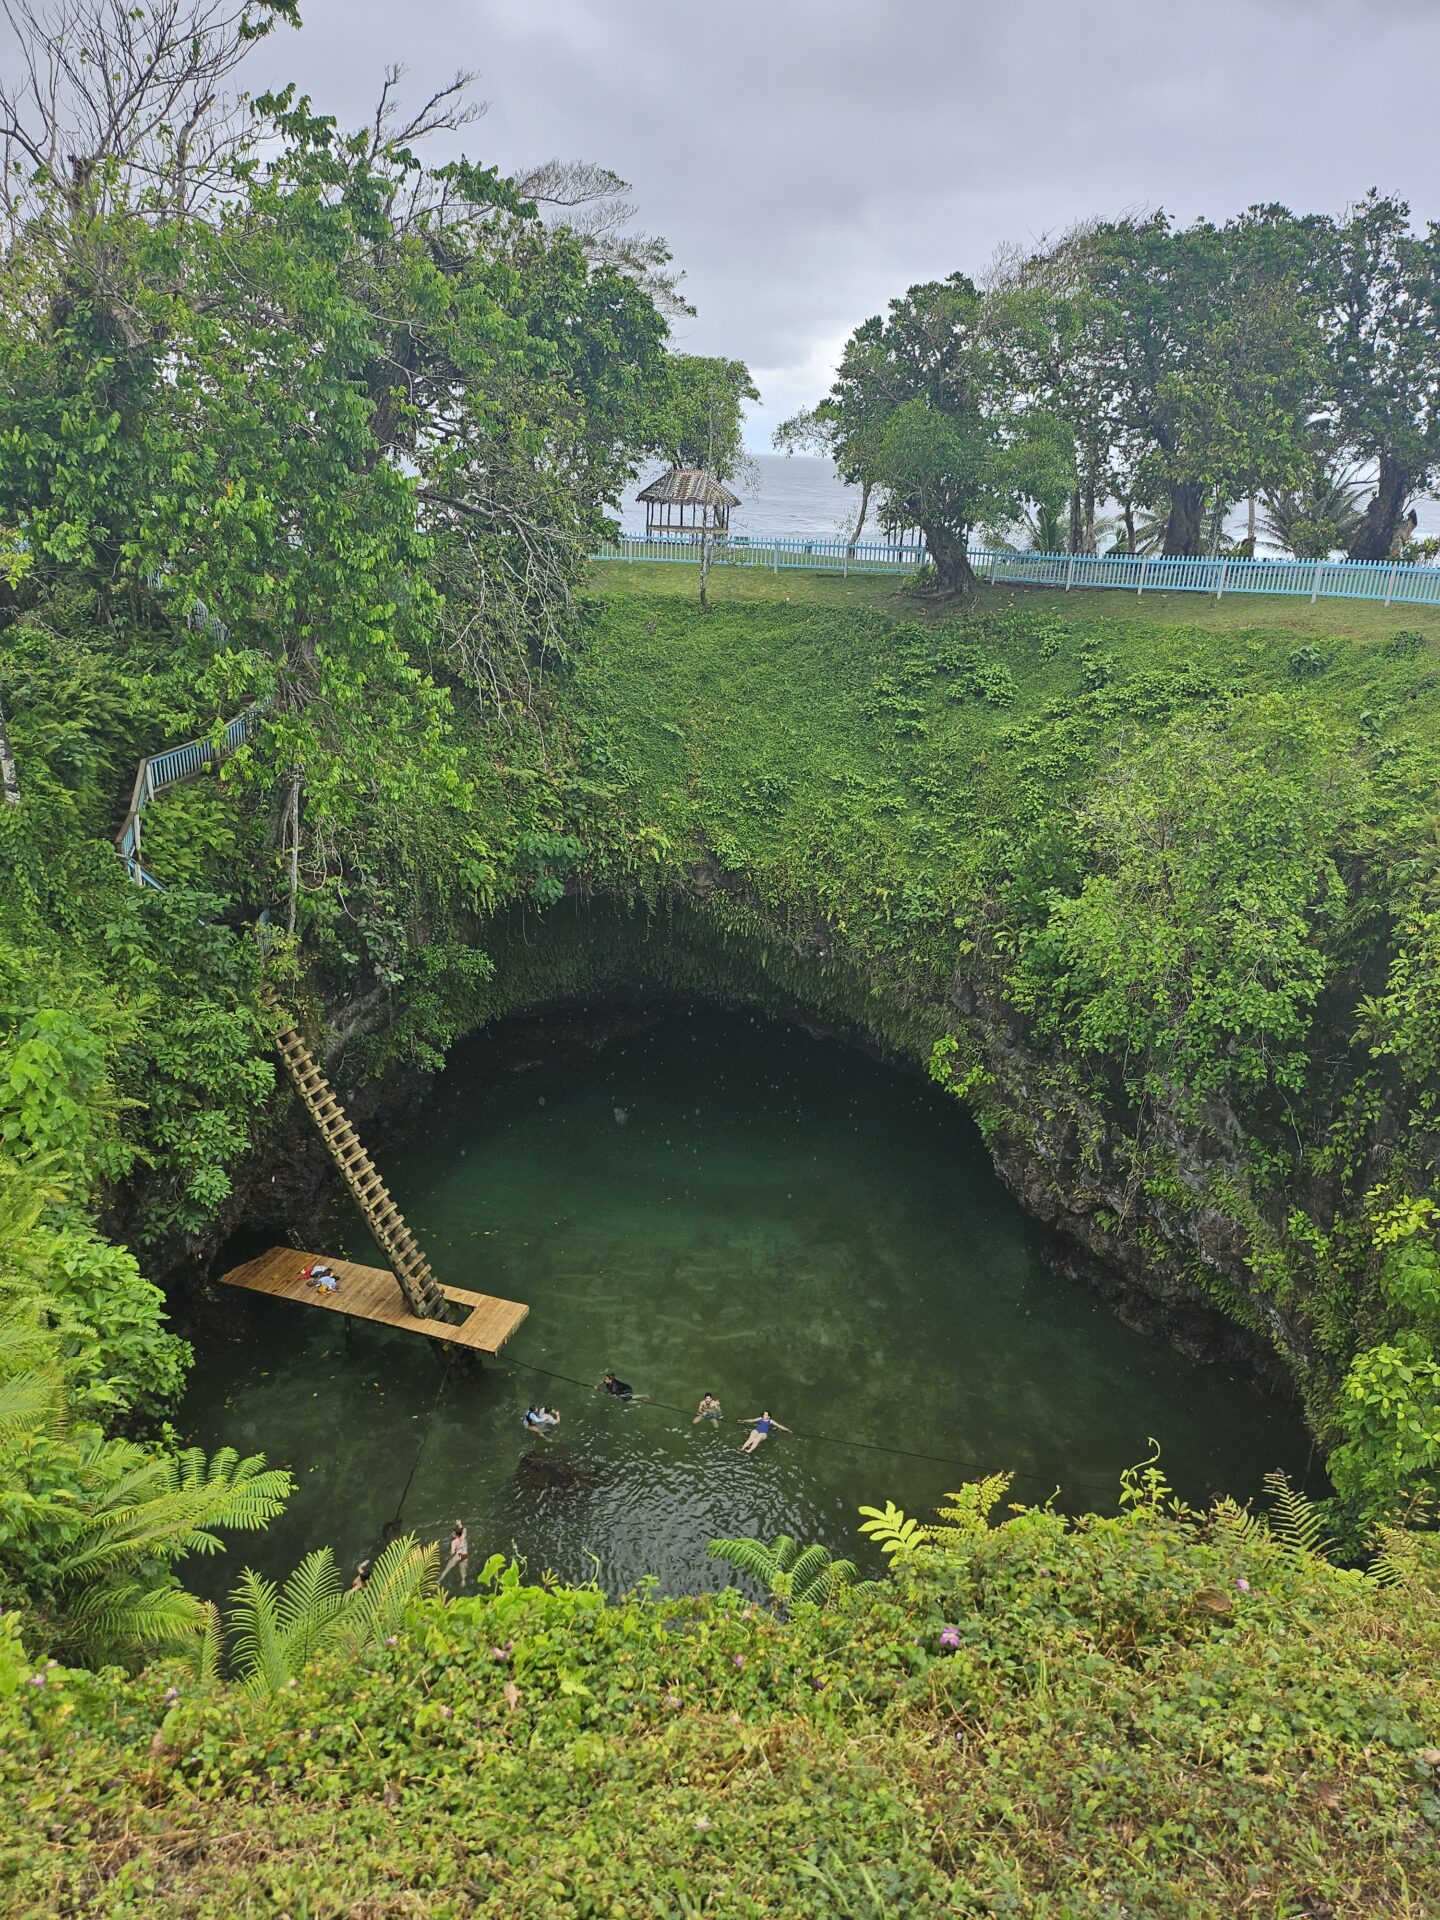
(951, 558)
(861, 516)
(1183, 528)
(8, 775)
(1089, 527)
(1375, 536)
(1075, 533)
(1130, 526)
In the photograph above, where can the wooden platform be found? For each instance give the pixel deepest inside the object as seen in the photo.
(372, 1293)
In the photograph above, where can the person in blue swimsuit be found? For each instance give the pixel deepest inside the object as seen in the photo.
(761, 1430)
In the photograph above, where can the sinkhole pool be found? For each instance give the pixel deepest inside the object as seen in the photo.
(703, 1200)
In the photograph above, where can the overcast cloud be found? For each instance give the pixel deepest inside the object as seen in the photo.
(810, 159)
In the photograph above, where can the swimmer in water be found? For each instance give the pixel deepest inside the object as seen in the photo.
(761, 1430)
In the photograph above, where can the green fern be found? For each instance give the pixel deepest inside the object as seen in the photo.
(261, 1660)
(1296, 1524)
(807, 1575)
(208, 1646)
(399, 1576)
(893, 1531)
(966, 1515)
(970, 1508)
(276, 1630)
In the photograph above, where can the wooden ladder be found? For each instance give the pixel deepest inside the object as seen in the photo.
(384, 1219)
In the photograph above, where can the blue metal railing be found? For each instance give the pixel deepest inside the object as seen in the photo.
(1392, 582)
(160, 770)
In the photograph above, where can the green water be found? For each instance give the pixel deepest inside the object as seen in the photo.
(706, 1201)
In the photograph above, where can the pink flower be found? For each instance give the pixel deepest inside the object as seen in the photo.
(738, 1658)
(1243, 1584)
(950, 1637)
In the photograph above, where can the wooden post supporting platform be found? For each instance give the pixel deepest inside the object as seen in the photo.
(482, 1323)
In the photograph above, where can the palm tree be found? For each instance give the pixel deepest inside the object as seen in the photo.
(277, 1629)
(792, 1573)
(1318, 517)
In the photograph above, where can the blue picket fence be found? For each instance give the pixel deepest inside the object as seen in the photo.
(161, 770)
(1393, 582)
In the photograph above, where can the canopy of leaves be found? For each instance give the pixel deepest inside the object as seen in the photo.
(926, 409)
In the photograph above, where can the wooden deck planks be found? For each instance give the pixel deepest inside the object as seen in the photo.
(372, 1293)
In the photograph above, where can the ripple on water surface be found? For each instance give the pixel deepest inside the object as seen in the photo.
(706, 1201)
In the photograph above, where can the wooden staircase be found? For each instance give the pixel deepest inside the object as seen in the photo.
(422, 1291)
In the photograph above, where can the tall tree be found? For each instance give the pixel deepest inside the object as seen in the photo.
(698, 412)
(1385, 343)
(926, 409)
(1212, 358)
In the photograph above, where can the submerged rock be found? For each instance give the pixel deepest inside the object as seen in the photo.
(551, 1469)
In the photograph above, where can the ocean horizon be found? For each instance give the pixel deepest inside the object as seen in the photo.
(800, 494)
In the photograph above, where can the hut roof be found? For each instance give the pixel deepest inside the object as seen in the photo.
(688, 487)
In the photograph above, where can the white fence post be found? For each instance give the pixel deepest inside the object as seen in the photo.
(1144, 569)
(1389, 585)
(1220, 583)
(1069, 573)
(1315, 583)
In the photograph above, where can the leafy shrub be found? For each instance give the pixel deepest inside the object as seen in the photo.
(1403, 645)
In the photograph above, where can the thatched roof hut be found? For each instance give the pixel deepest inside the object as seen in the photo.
(687, 500)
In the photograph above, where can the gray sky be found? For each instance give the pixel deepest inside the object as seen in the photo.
(810, 159)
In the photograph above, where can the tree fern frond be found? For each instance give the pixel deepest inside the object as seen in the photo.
(400, 1574)
(32, 1402)
(1296, 1523)
(106, 1617)
(259, 1649)
(753, 1557)
(307, 1606)
(808, 1573)
(209, 1644)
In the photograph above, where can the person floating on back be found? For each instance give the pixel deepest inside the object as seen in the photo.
(760, 1431)
(535, 1421)
(621, 1389)
(708, 1409)
(459, 1551)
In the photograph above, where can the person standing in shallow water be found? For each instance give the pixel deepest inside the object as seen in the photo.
(761, 1430)
(459, 1551)
(708, 1409)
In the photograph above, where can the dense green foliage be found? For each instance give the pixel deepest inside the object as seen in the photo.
(1185, 368)
(924, 410)
(1184, 866)
(1150, 1713)
(327, 432)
